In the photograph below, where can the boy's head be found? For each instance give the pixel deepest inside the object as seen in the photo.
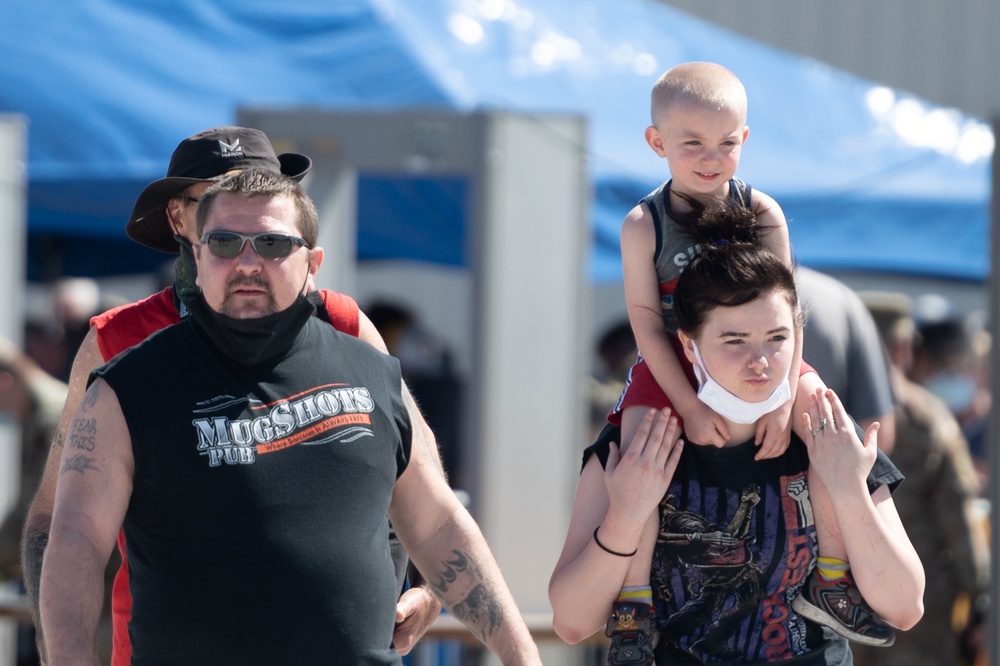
(699, 112)
(704, 85)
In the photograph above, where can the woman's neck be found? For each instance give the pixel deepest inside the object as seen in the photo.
(739, 432)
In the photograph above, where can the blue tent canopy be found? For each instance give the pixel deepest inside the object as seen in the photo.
(870, 178)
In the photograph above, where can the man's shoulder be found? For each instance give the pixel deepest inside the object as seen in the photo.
(340, 311)
(127, 325)
(333, 337)
(822, 288)
(160, 302)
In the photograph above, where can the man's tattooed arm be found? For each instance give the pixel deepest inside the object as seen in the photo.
(82, 437)
(94, 486)
(445, 543)
(36, 537)
(479, 609)
(424, 448)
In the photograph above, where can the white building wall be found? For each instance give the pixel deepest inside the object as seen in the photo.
(945, 52)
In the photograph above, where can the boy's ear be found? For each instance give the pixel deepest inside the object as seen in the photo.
(687, 344)
(746, 132)
(655, 140)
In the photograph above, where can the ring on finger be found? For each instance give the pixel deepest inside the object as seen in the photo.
(822, 424)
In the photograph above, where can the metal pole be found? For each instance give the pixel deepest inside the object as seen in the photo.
(13, 225)
(993, 484)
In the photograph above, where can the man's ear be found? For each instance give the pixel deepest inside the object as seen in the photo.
(173, 214)
(315, 261)
(655, 140)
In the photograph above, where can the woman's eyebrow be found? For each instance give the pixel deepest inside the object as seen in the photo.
(740, 334)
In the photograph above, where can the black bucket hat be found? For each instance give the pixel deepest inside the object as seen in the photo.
(205, 157)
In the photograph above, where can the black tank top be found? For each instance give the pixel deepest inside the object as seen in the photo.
(256, 531)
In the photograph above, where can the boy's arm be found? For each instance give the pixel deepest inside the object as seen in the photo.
(774, 429)
(642, 299)
(773, 227)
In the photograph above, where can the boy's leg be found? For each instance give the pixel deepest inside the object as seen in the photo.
(830, 596)
(633, 621)
(828, 538)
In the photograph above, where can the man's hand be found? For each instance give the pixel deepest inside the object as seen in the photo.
(416, 610)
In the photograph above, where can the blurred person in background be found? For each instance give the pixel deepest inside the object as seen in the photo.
(428, 368)
(937, 505)
(616, 352)
(951, 361)
(30, 401)
(841, 341)
(77, 299)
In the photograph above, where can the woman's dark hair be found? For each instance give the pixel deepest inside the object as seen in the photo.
(732, 267)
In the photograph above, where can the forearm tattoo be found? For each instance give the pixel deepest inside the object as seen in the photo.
(479, 610)
(452, 568)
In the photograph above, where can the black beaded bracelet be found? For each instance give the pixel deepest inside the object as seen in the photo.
(608, 550)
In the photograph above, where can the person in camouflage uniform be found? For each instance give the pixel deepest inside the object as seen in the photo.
(933, 503)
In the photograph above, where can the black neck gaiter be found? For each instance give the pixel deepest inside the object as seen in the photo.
(257, 340)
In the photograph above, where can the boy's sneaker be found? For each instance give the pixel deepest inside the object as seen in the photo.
(631, 632)
(838, 604)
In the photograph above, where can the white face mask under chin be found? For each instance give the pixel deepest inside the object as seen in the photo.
(729, 406)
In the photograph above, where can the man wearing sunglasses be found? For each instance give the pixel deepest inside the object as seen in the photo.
(164, 219)
(257, 474)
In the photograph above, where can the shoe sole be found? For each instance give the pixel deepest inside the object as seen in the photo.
(807, 610)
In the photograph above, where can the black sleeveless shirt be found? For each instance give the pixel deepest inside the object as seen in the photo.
(256, 531)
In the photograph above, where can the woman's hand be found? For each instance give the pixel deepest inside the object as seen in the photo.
(838, 456)
(637, 480)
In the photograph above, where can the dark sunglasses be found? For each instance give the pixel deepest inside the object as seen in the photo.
(229, 244)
